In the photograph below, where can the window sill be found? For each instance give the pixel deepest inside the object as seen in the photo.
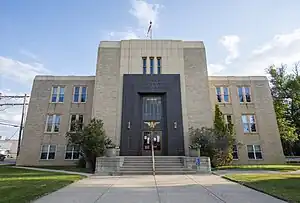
(71, 159)
(224, 103)
(246, 103)
(255, 159)
(78, 102)
(46, 159)
(51, 132)
(251, 133)
(56, 102)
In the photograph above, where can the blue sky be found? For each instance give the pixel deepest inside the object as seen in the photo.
(61, 37)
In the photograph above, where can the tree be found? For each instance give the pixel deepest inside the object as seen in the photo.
(91, 140)
(216, 142)
(225, 140)
(285, 90)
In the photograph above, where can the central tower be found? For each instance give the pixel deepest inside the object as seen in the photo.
(159, 80)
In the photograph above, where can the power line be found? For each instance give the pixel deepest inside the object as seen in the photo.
(23, 104)
(13, 134)
(8, 124)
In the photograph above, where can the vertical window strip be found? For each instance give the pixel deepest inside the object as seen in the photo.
(158, 65)
(144, 65)
(151, 65)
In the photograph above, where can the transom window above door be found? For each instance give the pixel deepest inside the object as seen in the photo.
(152, 108)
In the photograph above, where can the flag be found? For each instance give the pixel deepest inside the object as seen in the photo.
(149, 29)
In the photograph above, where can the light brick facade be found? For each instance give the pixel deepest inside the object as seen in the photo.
(105, 90)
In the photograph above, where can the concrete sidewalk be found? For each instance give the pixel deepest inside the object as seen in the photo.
(161, 189)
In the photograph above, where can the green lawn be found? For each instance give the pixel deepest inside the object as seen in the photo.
(20, 185)
(282, 168)
(66, 168)
(281, 185)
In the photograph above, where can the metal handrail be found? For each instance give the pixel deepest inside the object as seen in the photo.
(152, 154)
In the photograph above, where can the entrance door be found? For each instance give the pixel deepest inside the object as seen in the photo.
(154, 137)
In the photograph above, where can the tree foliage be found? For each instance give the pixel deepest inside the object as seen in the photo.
(216, 142)
(91, 140)
(285, 90)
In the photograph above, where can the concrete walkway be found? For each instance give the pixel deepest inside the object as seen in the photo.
(158, 189)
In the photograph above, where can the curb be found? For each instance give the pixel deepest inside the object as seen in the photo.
(256, 189)
(54, 170)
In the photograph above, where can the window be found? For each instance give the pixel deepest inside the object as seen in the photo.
(57, 94)
(144, 65)
(80, 94)
(72, 152)
(158, 65)
(249, 123)
(152, 108)
(48, 152)
(254, 152)
(235, 152)
(76, 118)
(244, 94)
(228, 120)
(53, 123)
(222, 94)
(151, 65)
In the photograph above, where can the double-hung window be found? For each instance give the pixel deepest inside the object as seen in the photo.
(76, 119)
(72, 152)
(249, 123)
(53, 123)
(254, 152)
(228, 120)
(48, 152)
(235, 152)
(244, 94)
(80, 94)
(57, 94)
(222, 94)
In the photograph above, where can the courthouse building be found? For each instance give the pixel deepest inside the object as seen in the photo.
(141, 80)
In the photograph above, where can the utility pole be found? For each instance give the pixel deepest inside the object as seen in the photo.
(23, 104)
(21, 125)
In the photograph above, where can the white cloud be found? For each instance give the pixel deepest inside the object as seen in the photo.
(280, 49)
(129, 34)
(230, 42)
(215, 68)
(143, 12)
(28, 54)
(19, 71)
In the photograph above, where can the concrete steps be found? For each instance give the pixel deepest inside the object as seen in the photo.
(163, 165)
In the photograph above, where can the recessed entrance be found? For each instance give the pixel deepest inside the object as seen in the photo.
(150, 137)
